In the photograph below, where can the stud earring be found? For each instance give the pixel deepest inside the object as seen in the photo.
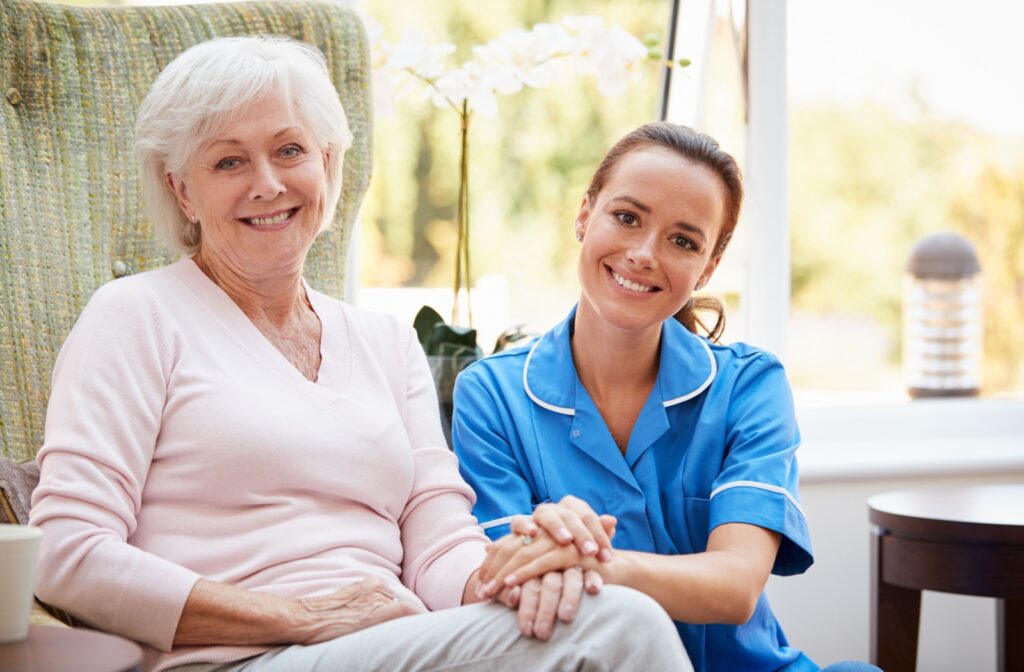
(579, 236)
(193, 219)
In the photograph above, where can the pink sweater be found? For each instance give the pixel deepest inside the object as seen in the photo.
(181, 444)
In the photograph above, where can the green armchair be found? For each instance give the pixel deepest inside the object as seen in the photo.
(71, 214)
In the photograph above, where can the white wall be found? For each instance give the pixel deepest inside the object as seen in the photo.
(847, 456)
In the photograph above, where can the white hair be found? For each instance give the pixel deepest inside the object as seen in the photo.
(194, 97)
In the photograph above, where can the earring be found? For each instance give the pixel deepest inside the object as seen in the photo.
(579, 236)
(193, 219)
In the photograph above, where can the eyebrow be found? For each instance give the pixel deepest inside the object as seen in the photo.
(646, 209)
(232, 141)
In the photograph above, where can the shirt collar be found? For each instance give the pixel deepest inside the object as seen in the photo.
(687, 367)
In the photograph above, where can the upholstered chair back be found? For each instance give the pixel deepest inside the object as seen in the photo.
(71, 214)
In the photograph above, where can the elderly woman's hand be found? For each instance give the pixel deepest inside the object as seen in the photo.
(556, 595)
(354, 607)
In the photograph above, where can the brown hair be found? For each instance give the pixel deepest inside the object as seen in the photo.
(703, 150)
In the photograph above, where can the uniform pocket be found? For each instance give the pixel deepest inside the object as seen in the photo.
(698, 512)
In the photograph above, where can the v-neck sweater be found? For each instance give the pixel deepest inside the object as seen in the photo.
(181, 444)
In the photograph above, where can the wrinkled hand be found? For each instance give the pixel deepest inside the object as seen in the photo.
(572, 520)
(354, 607)
(556, 595)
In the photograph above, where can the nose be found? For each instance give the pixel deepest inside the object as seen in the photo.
(641, 250)
(266, 183)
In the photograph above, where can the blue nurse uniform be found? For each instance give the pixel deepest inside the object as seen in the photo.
(714, 443)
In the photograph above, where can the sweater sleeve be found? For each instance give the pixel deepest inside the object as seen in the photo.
(102, 423)
(442, 542)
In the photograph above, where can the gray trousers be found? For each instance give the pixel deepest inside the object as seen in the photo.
(619, 629)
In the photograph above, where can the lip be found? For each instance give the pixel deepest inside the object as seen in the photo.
(626, 291)
(276, 227)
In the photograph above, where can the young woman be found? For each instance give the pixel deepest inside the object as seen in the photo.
(623, 409)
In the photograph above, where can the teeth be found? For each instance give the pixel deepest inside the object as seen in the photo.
(271, 221)
(629, 284)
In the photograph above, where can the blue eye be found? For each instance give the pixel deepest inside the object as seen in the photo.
(292, 151)
(228, 164)
(627, 218)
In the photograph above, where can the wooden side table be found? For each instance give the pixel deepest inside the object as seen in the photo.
(60, 649)
(966, 540)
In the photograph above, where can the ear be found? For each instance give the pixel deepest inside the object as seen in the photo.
(177, 187)
(582, 217)
(327, 157)
(709, 270)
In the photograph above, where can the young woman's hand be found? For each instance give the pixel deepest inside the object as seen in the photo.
(573, 521)
(516, 558)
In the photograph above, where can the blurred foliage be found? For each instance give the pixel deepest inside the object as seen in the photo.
(866, 184)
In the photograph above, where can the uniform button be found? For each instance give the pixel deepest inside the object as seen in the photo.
(119, 269)
(576, 433)
(13, 96)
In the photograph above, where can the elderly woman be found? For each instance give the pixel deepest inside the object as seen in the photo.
(242, 473)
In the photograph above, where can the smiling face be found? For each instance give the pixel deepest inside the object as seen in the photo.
(257, 187)
(648, 238)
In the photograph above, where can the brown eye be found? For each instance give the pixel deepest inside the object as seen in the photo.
(683, 242)
(627, 218)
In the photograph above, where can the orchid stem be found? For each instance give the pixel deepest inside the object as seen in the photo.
(462, 271)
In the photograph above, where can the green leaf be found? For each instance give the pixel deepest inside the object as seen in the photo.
(424, 324)
(654, 54)
(684, 62)
(651, 39)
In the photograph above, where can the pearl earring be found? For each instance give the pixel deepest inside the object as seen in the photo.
(579, 236)
(193, 219)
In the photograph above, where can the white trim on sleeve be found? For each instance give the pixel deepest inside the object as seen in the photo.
(760, 486)
(499, 521)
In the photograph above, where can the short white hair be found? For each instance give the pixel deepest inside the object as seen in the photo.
(194, 97)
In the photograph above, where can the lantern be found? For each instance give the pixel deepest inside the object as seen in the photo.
(942, 318)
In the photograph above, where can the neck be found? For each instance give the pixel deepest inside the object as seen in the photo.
(612, 362)
(277, 300)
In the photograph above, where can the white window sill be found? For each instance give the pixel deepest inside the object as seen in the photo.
(912, 438)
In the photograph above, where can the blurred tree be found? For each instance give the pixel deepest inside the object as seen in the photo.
(866, 184)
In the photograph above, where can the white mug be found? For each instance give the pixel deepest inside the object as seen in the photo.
(19, 551)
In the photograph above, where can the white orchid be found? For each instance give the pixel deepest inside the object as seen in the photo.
(609, 55)
(476, 85)
(531, 56)
(502, 66)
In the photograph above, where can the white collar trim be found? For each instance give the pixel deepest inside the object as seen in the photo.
(537, 400)
(703, 386)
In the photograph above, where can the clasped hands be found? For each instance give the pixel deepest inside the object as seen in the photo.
(545, 564)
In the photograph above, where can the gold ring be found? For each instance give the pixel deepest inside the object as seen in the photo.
(526, 539)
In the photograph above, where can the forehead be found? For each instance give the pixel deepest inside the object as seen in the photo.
(263, 118)
(664, 180)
